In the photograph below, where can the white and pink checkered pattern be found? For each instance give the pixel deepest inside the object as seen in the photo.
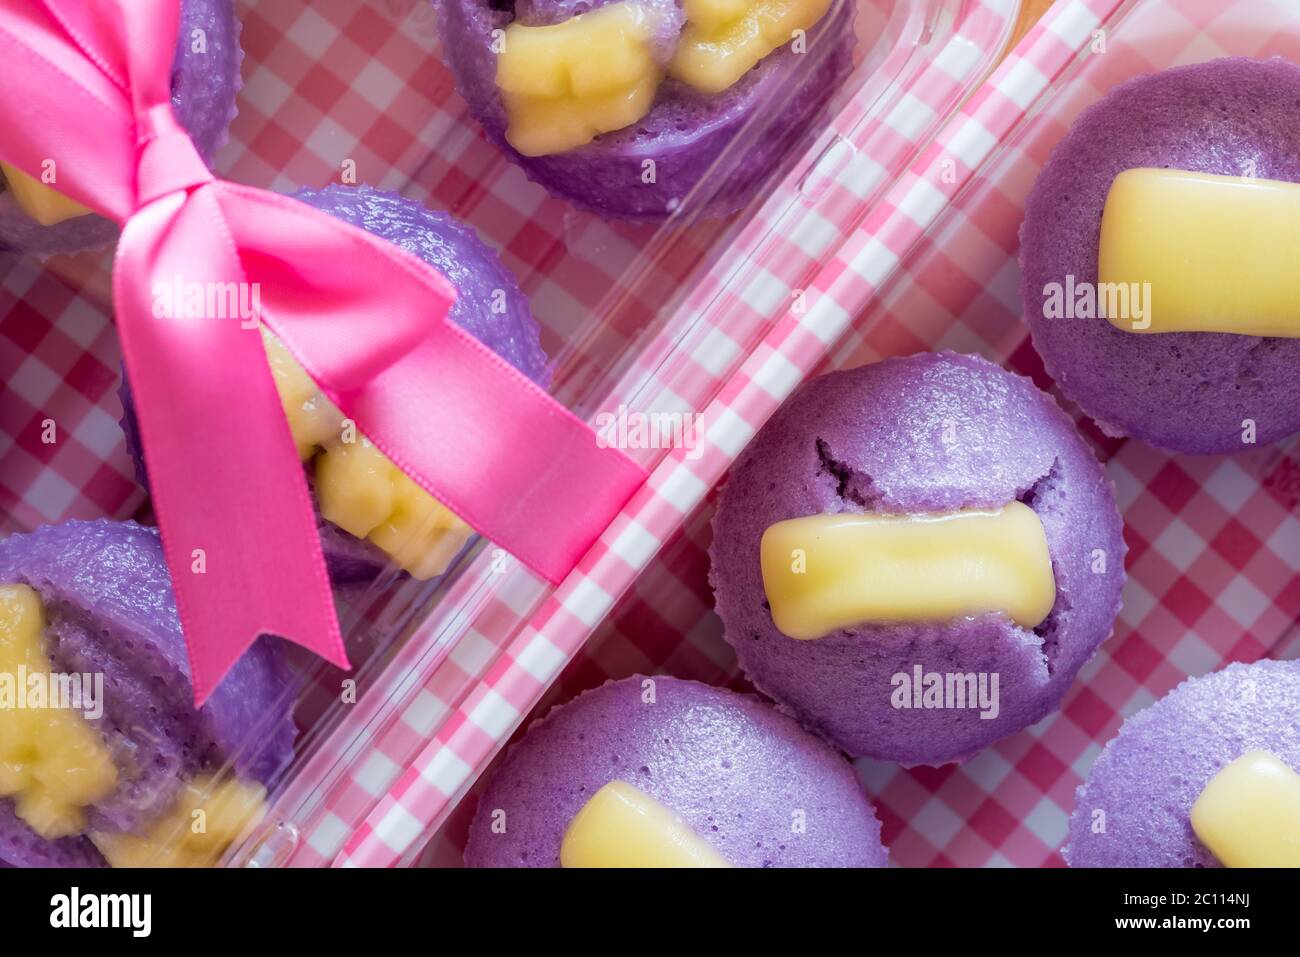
(477, 707)
(654, 319)
(1214, 560)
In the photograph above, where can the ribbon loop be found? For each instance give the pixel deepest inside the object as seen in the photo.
(89, 85)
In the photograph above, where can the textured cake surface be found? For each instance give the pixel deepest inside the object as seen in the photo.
(934, 432)
(735, 770)
(1134, 809)
(1188, 391)
(489, 303)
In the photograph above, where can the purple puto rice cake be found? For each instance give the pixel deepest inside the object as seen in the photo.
(717, 144)
(928, 433)
(1144, 783)
(489, 305)
(110, 610)
(455, 250)
(730, 766)
(205, 80)
(1181, 391)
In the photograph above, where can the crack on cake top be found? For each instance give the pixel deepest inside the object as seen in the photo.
(857, 492)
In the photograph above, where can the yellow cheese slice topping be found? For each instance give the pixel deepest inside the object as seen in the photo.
(1195, 252)
(358, 488)
(622, 826)
(1248, 815)
(53, 763)
(563, 85)
(823, 573)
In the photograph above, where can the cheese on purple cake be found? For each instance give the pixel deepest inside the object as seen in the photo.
(664, 772)
(916, 557)
(94, 599)
(628, 107)
(1217, 759)
(1186, 391)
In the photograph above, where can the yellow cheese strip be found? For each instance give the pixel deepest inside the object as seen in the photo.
(725, 39)
(203, 822)
(1220, 253)
(622, 826)
(53, 763)
(357, 487)
(1249, 813)
(565, 84)
(827, 572)
(41, 202)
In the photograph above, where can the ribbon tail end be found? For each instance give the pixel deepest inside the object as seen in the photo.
(212, 661)
(325, 641)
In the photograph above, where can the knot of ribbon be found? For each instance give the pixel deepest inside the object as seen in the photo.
(169, 162)
(87, 87)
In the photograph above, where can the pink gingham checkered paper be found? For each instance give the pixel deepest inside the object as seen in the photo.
(475, 697)
(1214, 543)
(653, 319)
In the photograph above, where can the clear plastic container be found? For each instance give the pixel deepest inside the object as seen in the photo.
(627, 312)
(1214, 558)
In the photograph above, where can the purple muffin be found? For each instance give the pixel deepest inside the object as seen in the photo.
(110, 610)
(733, 769)
(204, 84)
(1185, 391)
(1144, 783)
(928, 433)
(726, 145)
(489, 305)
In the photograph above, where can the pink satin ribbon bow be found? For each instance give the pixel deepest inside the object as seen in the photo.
(87, 85)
